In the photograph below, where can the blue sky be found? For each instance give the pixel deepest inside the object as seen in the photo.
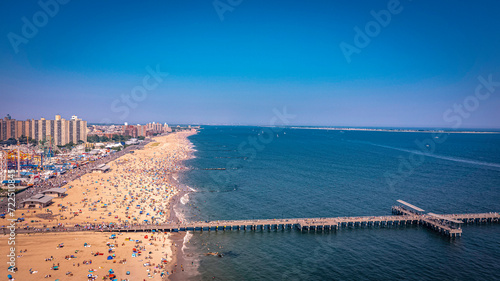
(262, 55)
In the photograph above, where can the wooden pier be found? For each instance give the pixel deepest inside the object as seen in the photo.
(449, 225)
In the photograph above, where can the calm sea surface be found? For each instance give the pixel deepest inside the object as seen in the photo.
(297, 173)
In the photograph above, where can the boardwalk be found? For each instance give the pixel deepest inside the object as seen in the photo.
(448, 225)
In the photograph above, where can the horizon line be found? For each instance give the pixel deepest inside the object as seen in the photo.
(310, 126)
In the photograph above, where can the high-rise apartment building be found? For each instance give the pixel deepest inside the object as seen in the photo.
(60, 130)
(145, 130)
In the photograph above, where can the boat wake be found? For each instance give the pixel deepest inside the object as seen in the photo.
(437, 156)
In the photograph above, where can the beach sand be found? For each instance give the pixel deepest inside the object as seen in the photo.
(140, 188)
(44, 246)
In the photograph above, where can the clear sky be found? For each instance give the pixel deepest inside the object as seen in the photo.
(236, 61)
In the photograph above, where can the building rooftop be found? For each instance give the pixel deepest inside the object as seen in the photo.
(55, 190)
(44, 199)
(37, 196)
(102, 167)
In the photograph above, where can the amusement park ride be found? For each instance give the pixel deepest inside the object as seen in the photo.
(25, 158)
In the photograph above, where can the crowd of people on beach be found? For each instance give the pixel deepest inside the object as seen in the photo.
(138, 190)
(62, 179)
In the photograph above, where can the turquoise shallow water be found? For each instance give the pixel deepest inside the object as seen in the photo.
(319, 173)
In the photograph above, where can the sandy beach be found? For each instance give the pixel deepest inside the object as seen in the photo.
(140, 188)
(73, 256)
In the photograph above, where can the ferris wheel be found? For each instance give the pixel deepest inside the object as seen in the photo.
(47, 148)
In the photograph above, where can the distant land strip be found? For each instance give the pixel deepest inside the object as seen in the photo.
(397, 130)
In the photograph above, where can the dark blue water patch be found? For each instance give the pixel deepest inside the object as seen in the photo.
(318, 173)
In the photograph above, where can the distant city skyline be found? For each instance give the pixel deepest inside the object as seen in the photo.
(352, 63)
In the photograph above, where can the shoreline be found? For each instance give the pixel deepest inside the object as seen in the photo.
(178, 267)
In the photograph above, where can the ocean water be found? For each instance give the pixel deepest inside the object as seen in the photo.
(297, 173)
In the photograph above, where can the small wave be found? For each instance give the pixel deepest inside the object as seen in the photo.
(185, 199)
(179, 215)
(187, 237)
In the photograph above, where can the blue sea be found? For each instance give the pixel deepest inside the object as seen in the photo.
(296, 173)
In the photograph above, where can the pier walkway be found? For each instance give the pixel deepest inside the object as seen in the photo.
(449, 225)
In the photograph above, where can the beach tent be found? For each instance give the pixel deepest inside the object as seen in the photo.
(128, 273)
(110, 258)
(111, 271)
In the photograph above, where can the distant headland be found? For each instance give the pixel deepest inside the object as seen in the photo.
(400, 130)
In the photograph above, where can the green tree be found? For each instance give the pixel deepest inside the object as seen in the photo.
(69, 145)
(23, 139)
